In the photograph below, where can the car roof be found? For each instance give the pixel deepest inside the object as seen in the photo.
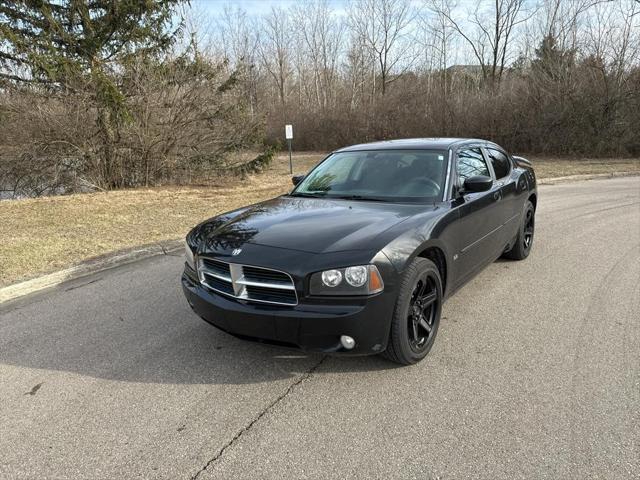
(415, 144)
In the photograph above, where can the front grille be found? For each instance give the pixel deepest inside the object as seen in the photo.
(215, 283)
(245, 282)
(272, 295)
(267, 276)
(219, 268)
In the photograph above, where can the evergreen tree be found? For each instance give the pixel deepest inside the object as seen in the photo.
(80, 46)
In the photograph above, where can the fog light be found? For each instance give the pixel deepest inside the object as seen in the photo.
(347, 342)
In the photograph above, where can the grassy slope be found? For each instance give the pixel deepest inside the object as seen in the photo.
(46, 234)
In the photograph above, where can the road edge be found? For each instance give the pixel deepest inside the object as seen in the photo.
(104, 262)
(585, 176)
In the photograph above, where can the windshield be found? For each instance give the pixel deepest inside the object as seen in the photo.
(383, 175)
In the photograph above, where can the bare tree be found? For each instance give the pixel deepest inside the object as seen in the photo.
(492, 29)
(275, 49)
(437, 38)
(625, 48)
(384, 27)
(357, 71)
(321, 35)
(562, 17)
(240, 39)
(387, 68)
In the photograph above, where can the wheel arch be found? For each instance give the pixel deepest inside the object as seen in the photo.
(533, 198)
(439, 258)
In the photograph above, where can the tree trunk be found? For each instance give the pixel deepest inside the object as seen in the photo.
(107, 156)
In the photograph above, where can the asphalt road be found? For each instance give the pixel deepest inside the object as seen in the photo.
(535, 374)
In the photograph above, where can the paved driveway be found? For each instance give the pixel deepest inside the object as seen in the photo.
(535, 373)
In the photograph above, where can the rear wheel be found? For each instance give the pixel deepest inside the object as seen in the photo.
(417, 313)
(524, 241)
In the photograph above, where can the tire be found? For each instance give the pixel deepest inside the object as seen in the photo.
(524, 240)
(416, 316)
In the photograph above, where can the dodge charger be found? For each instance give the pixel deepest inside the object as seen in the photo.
(360, 255)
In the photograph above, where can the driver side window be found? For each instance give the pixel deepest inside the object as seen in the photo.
(470, 163)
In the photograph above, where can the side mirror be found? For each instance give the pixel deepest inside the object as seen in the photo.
(296, 179)
(478, 183)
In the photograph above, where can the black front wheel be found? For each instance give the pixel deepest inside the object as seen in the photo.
(417, 313)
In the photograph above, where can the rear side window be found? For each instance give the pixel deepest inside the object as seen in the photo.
(471, 163)
(500, 162)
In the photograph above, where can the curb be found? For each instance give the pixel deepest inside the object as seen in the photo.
(89, 267)
(586, 176)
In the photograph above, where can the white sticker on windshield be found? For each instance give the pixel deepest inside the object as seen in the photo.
(440, 157)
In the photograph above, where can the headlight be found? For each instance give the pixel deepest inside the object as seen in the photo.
(331, 278)
(356, 276)
(357, 280)
(188, 256)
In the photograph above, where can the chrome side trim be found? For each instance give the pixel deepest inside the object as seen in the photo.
(512, 218)
(471, 245)
(490, 233)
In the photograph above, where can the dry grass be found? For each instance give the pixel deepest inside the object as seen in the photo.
(46, 234)
(550, 167)
(42, 235)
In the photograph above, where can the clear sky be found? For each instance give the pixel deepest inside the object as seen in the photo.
(259, 7)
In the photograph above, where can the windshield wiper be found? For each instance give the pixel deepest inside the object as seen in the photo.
(359, 197)
(309, 194)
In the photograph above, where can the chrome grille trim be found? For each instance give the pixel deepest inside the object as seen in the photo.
(280, 286)
(218, 276)
(238, 284)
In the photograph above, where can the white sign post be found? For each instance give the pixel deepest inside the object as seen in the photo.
(288, 134)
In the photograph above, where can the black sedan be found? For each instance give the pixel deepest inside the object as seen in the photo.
(359, 257)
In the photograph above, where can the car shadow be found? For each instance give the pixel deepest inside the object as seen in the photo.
(174, 347)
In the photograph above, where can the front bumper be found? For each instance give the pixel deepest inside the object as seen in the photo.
(310, 325)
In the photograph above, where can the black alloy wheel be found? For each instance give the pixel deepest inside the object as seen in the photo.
(524, 240)
(417, 313)
(422, 312)
(529, 225)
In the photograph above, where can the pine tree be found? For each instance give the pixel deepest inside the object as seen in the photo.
(80, 45)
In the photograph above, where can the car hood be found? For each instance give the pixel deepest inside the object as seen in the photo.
(314, 225)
